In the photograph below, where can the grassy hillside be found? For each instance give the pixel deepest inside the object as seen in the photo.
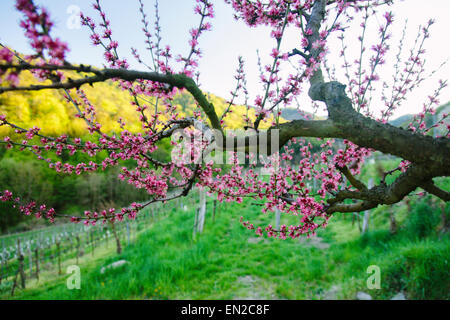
(228, 262)
(404, 120)
(23, 174)
(48, 109)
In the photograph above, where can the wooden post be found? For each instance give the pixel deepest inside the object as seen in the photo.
(36, 254)
(201, 211)
(93, 241)
(277, 218)
(358, 218)
(14, 283)
(393, 222)
(128, 233)
(21, 269)
(3, 262)
(195, 223)
(30, 259)
(408, 204)
(443, 226)
(58, 253)
(118, 246)
(87, 238)
(78, 247)
(344, 179)
(2, 270)
(214, 210)
(365, 226)
(6, 264)
(71, 243)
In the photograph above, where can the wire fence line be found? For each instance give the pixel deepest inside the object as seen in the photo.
(25, 255)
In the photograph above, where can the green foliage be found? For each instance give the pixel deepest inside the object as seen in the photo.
(48, 109)
(228, 262)
(167, 263)
(420, 269)
(32, 179)
(423, 220)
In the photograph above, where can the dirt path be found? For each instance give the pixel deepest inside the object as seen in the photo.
(253, 288)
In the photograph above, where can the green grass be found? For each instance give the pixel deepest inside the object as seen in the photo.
(49, 279)
(221, 263)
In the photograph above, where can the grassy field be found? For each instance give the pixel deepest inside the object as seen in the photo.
(229, 262)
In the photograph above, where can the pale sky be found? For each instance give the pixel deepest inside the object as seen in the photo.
(229, 39)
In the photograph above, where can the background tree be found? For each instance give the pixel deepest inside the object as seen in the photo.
(351, 116)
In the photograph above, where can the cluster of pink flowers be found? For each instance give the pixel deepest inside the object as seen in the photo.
(37, 26)
(28, 208)
(301, 190)
(290, 188)
(104, 38)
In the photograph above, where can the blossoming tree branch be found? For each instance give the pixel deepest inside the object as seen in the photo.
(351, 117)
